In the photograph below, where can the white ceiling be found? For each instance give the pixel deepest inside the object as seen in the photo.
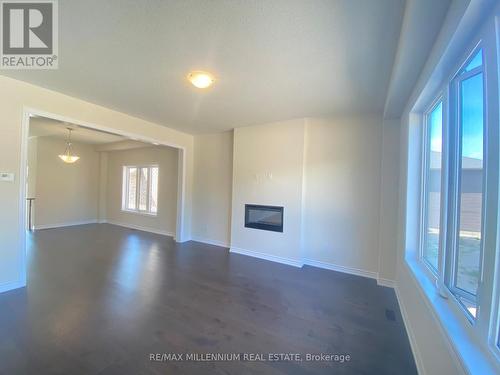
(44, 127)
(414, 47)
(273, 60)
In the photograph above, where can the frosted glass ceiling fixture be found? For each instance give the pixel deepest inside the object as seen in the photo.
(68, 156)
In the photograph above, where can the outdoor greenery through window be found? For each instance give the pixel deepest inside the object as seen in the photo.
(140, 189)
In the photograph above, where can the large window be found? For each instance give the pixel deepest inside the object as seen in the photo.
(460, 248)
(140, 189)
(457, 255)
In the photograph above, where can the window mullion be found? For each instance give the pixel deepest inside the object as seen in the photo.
(148, 188)
(445, 169)
(424, 178)
(452, 156)
(456, 185)
(453, 209)
(138, 188)
(125, 189)
(150, 181)
(128, 187)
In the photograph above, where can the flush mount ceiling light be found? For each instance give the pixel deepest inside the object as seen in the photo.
(68, 156)
(201, 79)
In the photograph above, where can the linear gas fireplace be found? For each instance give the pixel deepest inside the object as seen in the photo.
(264, 217)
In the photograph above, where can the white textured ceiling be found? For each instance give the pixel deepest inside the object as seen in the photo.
(415, 44)
(273, 59)
(44, 127)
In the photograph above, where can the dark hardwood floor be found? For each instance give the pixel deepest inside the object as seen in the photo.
(101, 299)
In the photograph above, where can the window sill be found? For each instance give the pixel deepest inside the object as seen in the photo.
(140, 213)
(473, 357)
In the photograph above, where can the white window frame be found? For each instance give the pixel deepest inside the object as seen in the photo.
(125, 191)
(433, 273)
(474, 342)
(453, 215)
(494, 333)
(486, 326)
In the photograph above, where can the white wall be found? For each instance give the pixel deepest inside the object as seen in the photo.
(268, 169)
(86, 191)
(65, 193)
(166, 159)
(342, 184)
(103, 186)
(326, 172)
(433, 351)
(212, 188)
(16, 95)
(389, 190)
(32, 164)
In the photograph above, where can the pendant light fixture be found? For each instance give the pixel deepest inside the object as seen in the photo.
(68, 156)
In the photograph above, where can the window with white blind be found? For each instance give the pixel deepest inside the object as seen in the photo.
(140, 189)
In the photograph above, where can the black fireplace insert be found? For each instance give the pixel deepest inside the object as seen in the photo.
(264, 217)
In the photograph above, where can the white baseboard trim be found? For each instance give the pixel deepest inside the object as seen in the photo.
(5, 287)
(411, 336)
(140, 227)
(344, 269)
(310, 262)
(386, 282)
(210, 242)
(61, 225)
(102, 221)
(272, 258)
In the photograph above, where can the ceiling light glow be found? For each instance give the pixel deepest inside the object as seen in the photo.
(201, 79)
